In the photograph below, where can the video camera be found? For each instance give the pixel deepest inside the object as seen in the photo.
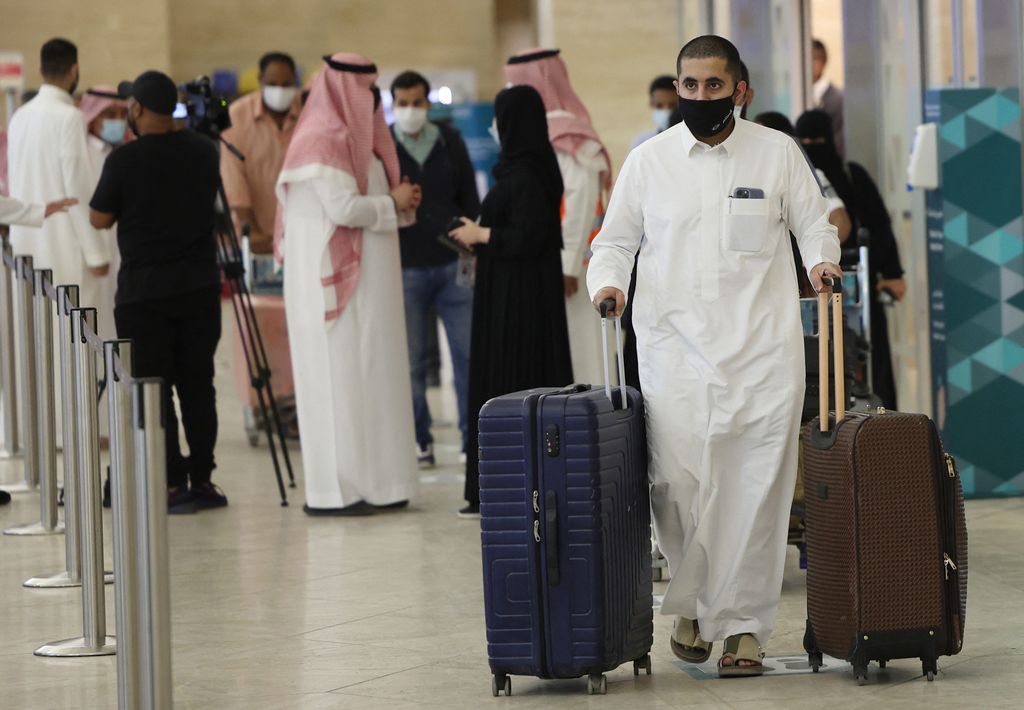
(203, 111)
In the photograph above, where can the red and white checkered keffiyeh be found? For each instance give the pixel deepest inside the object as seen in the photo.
(96, 100)
(545, 71)
(338, 130)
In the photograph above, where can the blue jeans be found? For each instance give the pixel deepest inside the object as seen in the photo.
(435, 286)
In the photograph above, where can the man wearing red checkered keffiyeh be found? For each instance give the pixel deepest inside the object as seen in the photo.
(341, 203)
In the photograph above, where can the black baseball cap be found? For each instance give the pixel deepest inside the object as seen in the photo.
(154, 90)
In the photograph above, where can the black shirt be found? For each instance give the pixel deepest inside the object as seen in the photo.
(449, 190)
(162, 188)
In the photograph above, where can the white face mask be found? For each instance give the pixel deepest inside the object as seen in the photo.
(661, 117)
(409, 119)
(493, 130)
(279, 98)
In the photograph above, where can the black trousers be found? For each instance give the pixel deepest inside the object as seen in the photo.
(175, 338)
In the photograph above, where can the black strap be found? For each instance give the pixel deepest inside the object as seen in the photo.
(352, 68)
(535, 56)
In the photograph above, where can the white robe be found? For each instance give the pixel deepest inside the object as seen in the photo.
(720, 352)
(352, 391)
(581, 176)
(47, 160)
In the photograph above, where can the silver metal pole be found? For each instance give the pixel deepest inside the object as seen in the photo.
(124, 503)
(25, 335)
(71, 575)
(154, 650)
(94, 641)
(46, 452)
(9, 447)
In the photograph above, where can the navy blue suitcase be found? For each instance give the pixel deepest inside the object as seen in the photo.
(566, 533)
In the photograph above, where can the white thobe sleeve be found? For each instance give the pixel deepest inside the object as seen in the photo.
(805, 211)
(79, 182)
(616, 244)
(347, 207)
(16, 212)
(582, 184)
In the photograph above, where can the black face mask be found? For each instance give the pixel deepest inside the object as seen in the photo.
(706, 118)
(376, 97)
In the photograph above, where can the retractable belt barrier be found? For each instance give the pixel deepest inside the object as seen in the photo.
(29, 302)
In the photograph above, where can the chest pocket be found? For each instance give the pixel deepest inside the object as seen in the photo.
(746, 224)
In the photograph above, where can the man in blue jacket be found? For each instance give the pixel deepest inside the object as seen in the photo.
(434, 157)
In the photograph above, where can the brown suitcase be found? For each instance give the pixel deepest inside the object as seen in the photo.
(886, 533)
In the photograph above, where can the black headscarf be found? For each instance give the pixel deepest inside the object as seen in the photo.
(523, 130)
(824, 156)
(775, 120)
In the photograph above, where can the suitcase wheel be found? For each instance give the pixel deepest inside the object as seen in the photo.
(930, 676)
(815, 661)
(881, 664)
(500, 682)
(861, 674)
(597, 684)
(644, 663)
(929, 668)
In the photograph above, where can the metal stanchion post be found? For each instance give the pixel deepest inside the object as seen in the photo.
(71, 576)
(9, 446)
(154, 626)
(24, 327)
(124, 503)
(94, 641)
(46, 454)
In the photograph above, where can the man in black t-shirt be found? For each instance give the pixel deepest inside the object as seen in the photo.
(161, 191)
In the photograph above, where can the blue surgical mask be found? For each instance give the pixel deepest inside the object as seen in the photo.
(661, 117)
(112, 130)
(493, 130)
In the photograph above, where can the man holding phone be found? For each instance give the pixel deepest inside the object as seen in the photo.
(434, 275)
(720, 346)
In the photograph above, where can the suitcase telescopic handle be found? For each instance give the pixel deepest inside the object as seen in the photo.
(606, 307)
(838, 354)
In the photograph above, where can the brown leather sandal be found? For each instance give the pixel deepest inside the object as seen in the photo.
(686, 642)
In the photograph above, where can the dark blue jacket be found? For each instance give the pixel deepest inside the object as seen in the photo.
(449, 190)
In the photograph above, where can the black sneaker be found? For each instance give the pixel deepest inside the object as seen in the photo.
(180, 502)
(470, 512)
(208, 495)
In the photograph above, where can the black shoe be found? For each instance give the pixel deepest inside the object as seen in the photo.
(180, 502)
(361, 508)
(5, 497)
(397, 505)
(208, 495)
(470, 512)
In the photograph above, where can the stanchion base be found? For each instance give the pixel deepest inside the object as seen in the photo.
(61, 580)
(34, 529)
(19, 488)
(76, 648)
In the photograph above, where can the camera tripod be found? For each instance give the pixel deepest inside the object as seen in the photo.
(229, 253)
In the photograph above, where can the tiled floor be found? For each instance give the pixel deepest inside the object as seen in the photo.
(273, 610)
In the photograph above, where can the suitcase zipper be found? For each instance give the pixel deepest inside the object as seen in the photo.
(951, 588)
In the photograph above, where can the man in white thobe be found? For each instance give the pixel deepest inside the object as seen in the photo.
(586, 174)
(47, 156)
(342, 204)
(720, 346)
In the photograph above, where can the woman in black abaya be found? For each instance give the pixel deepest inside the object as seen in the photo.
(520, 339)
(866, 209)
